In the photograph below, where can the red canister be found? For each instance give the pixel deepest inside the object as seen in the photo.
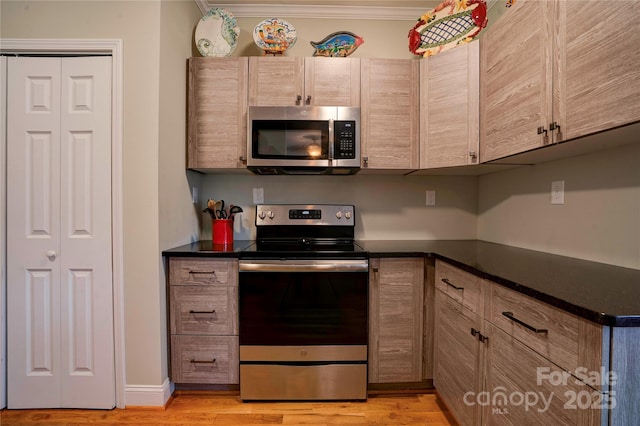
(222, 231)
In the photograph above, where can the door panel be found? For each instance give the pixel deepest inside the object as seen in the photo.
(33, 195)
(60, 277)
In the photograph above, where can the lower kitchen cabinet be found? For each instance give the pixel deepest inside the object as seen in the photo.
(457, 357)
(203, 318)
(503, 358)
(396, 298)
(524, 388)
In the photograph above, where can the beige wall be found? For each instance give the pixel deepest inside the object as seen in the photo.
(599, 221)
(387, 207)
(138, 25)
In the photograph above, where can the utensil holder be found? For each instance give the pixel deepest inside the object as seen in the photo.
(222, 231)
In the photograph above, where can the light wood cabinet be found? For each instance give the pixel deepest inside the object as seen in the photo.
(599, 69)
(318, 81)
(458, 339)
(396, 295)
(390, 114)
(217, 113)
(449, 107)
(523, 391)
(543, 81)
(203, 318)
(497, 350)
(516, 80)
(457, 362)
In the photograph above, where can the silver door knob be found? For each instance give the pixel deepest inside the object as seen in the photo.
(51, 255)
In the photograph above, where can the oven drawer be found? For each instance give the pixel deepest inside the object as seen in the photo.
(204, 310)
(463, 287)
(303, 382)
(196, 271)
(204, 359)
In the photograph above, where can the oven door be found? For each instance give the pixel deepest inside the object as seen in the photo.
(303, 302)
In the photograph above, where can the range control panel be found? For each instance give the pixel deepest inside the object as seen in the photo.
(305, 214)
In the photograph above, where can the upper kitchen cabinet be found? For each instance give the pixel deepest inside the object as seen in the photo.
(317, 81)
(558, 70)
(599, 69)
(390, 114)
(516, 80)
(449, 107)
(217, 113)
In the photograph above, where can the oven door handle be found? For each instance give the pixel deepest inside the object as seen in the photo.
(304, 265)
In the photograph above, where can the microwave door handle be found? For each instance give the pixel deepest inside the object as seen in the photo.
(331, 141)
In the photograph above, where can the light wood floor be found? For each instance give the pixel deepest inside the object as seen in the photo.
(201, 407)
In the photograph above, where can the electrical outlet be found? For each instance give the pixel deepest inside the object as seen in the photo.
(194, 194)
(557, 192)
(258, 195)
(431, 197)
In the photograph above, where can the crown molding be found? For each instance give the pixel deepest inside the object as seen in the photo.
(317, 11)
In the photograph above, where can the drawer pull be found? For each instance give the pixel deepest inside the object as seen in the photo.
(213, 311)
(450, 284)
(202, 272)
(195, 361)
(524, 324)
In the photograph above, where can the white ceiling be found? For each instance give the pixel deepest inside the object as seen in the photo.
(333, 9)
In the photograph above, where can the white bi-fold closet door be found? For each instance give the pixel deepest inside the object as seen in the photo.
(60, 346)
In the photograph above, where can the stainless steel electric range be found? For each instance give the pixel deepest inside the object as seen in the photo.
(303, 306)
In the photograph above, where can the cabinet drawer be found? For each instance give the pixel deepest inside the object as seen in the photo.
(191, 271)
(462, 286)
(204, 359)
(204, 310)
(551, 332)
(514, 370)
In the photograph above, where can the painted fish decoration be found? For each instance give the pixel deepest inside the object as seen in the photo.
(341, 43)
(449, 24)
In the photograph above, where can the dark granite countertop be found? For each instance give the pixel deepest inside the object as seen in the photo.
(206, 248)
(606, 294)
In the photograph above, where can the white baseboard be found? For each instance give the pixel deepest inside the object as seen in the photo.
(148, 395)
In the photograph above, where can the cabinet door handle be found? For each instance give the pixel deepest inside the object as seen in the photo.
(554, 126)
(482, 338)
(195, 361)
(298, 99)
(308, 100)
(450, 284)
(213, 311)
(474, 332)
(365, 161)
(524, 324)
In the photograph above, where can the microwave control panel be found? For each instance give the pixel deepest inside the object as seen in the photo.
(345, 139)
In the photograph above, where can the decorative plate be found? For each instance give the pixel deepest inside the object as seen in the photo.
(217, 33)
(274, 36)
(451, 23)
(341, 43)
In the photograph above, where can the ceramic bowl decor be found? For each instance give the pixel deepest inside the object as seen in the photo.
(446, 26)
(274, 36)
(341, 43)
(217, 33)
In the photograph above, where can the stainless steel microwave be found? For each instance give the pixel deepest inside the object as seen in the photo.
(303, 140)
